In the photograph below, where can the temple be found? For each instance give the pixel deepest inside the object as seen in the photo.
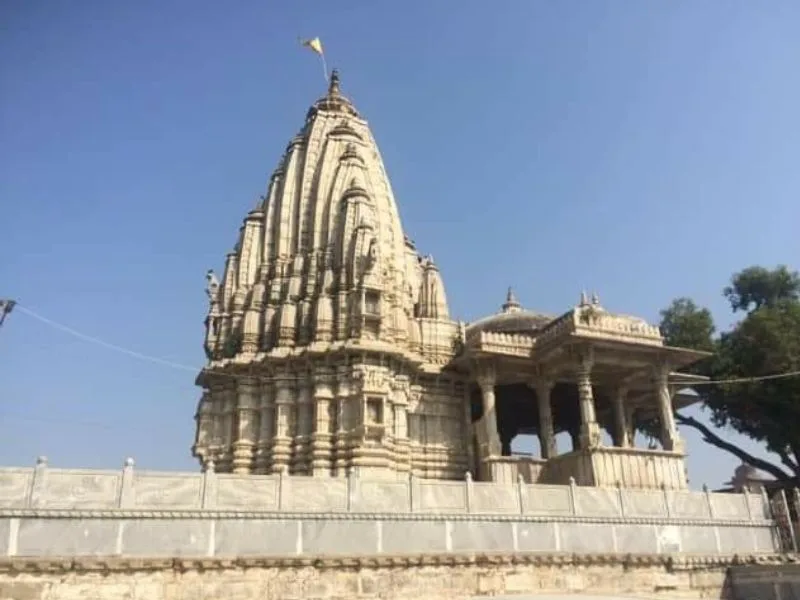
(331, 349)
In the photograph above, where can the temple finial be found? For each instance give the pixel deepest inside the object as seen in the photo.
(511, 303)
(333, 84)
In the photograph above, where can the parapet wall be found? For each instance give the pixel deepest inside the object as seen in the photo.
(59, 512)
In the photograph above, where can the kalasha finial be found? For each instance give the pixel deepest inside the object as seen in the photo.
(511, 301)
(333, 84)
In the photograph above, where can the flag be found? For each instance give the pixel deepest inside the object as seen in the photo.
(314, 44)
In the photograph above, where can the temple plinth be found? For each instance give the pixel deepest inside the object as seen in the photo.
(331, 349)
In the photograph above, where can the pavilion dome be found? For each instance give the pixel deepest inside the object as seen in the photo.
(512, 318)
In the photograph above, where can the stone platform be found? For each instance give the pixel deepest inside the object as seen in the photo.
(433, 577)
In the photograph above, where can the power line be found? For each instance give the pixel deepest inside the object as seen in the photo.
(109, 346)
(174, 365)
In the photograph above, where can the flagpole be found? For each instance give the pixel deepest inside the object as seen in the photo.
(324, 67)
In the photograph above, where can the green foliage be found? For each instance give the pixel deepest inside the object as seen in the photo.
(765, 342)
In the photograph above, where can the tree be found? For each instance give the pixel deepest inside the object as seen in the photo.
(764, 343)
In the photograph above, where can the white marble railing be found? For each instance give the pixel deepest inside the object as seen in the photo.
(43, 489)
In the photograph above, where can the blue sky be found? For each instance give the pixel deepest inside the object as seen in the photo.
(643, 150)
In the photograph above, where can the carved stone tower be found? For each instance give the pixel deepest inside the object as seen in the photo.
(328, 333)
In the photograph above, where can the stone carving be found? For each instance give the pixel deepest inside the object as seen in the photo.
(212, 285)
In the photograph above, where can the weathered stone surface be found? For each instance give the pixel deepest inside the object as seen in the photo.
(389, 578)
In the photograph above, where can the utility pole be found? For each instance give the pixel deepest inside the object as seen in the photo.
(6, 306)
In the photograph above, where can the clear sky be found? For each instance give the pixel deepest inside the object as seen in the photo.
(646, 150)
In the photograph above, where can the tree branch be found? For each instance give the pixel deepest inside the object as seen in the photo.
(712, 438)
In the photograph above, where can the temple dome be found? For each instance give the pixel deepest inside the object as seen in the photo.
(512, 318)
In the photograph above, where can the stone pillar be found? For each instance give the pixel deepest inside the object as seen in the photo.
(486, 380)
(547, 438)
(670, 440)
(266, 429)
(282, 443)
(321, 439)
(621, 428)
(227, 422)
(590, 430)
(303, 428)
(246, 407)
(400, 433)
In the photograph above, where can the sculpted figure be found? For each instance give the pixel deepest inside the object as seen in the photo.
(212, 284)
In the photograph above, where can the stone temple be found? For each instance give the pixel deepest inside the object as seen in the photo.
(332, 350)
(356, 440)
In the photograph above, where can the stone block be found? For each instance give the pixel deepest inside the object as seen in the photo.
(255, 537)
(252, 492)
(547, 499)
(318, 495)
(409, 537)
(79, 489)
(536, 537)
(586, 537)
(67, 537)
(494, 498)
(153, 490)
(597, 502)
(382, 496)
(698, 540)
(479, 536)
(14, 485)
(636, 539)
(169, 538)
(442, 497)
(326, 537)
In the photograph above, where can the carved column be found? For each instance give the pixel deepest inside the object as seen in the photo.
(245, 425)
(342, 425)
(303, 427)
(621, 428)
(491, 438)
(266, 429)
(321, 439)
(670, 440)
(282, 443)
(205, 426)
(547, 438)
(590, 430)
(400, 431)
(226, 426)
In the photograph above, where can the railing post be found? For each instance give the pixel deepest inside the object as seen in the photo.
(208, 498)
(352, 487)
(621, 496)
(411, 485)
(789, 524)
(521, 493)
(667, 509)
(468, 491)
(709, 502)
(746, 492)
(283, 485)
(126, 490)
(766, 505)
(573, 505)
(38, 481)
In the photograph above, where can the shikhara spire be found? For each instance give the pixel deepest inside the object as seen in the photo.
(324, 257)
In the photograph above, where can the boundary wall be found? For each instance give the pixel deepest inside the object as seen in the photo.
(68, 512)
